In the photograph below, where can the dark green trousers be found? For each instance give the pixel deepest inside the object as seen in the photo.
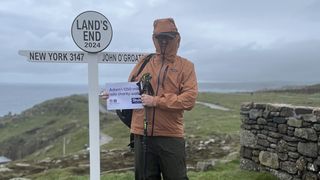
(165, 157)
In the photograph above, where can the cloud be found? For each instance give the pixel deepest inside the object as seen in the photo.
(298, 61)
(227, 40)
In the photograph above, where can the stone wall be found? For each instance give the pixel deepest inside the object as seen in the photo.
(281, 139)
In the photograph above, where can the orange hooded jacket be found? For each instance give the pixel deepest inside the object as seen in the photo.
(174, 83)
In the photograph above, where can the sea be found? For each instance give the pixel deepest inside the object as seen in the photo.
(14, 98)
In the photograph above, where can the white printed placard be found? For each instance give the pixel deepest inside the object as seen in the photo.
(123, 95)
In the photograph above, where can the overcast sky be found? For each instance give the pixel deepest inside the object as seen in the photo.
(227, 40)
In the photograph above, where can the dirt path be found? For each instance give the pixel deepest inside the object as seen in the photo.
(213, 106)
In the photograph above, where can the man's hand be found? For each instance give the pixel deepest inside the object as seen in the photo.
(147, 100)
(104, 95)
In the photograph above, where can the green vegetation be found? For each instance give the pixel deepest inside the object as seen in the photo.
(44, 126)
(229, 171)
(118, 131)
(203, 121)
(220, 172)
(51, 121)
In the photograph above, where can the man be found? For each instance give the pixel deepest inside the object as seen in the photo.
(175, 90)
(173, 81)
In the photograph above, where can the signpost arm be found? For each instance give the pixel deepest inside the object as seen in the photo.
(94, 120)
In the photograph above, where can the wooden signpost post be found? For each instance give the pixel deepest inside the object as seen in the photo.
(92, 33)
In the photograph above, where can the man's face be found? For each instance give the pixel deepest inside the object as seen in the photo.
(164, 39)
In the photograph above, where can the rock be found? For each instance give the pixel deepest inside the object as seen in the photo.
(287, 111)
(46, 160)
(4, 169)
(291, 148)
(308, 149)
(210, 141)
(255, 113)
(290, 139)
(274, 134)
(281, 175)
(272, 140)
(317, 161)
(206, 165)
(282, 146)
(246, 152)
(261, 121)
(76, 157)
(301, 164)
(274, 107)
(22, 165)
(309, 176)
(316, 127)
(316, 112)
(306, 124)
(192, 136)
(290, 133)
(265, 114)
(312, 167)
(274, 114)
(246, 106)
(306, 133)
(309, 118)
(262, 136)
(245, 127)
(290, 167)
(248, 139)
(244, 118)
(303, 110)
(294, 122)
(282, 128)
(269, 159)
(226, 148)
(58, 161)
(263, 142)
(259, 106)
(247, 164)
(273, 146)
(271, 129)
(293, 155)
(280, 120)
(283, 156)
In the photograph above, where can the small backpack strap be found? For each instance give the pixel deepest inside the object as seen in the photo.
(145, 62)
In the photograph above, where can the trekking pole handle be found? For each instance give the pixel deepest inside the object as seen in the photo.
(144, 83)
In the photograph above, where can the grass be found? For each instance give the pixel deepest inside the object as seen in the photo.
(233, 100)
(116, 129)
(227, 171)
(201, 121)
(230, 171)
(45, 123)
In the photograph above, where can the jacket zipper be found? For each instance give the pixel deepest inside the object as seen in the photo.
(158, 85)
(164, 76)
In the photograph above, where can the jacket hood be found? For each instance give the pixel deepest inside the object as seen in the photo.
(166, 26)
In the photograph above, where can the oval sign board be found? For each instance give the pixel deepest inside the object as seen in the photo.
(91, 31)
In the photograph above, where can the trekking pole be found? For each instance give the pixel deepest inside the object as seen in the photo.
(145, 88)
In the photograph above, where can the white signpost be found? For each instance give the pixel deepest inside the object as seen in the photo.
(92, 32)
